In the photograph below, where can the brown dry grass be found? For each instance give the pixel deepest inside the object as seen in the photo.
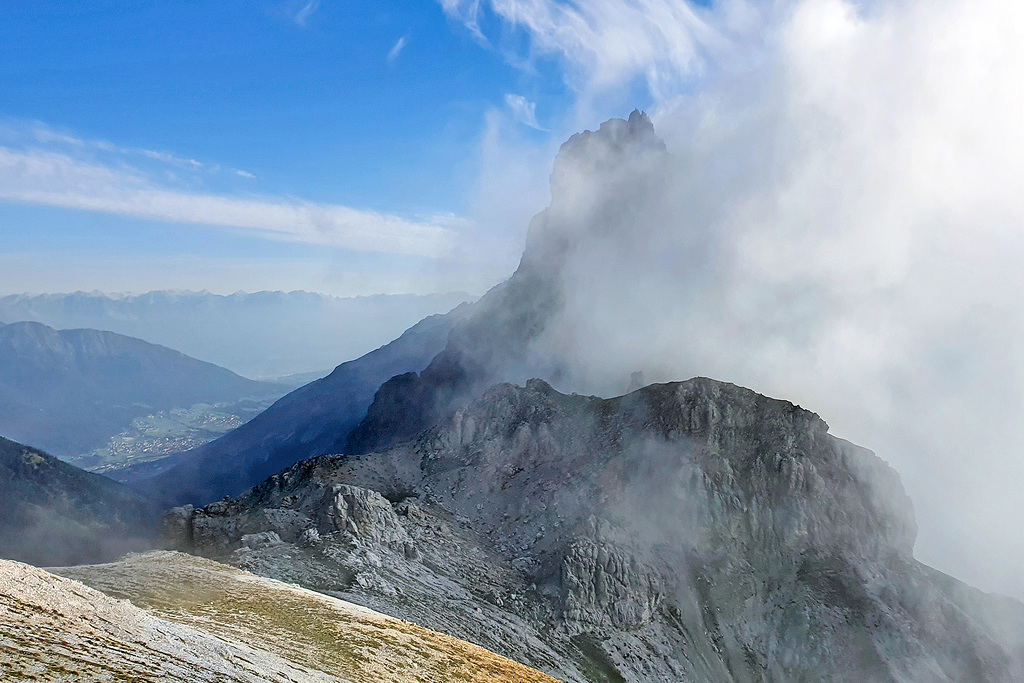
(301, 626)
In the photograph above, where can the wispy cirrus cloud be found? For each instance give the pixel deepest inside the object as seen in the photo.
(304, 11)
(37, 132)
(604, 42)
(63, 179)
(523, 110)
(397, 48)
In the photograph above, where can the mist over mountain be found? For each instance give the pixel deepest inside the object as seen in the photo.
(686, 531)
(69, 391)
(53, 513)
(790, 257)
(689, 530)
(493, 340)
(601, 179)
(257, 335)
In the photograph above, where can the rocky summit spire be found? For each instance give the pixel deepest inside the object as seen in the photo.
(617, 143)
(596, 176)
(598, 180)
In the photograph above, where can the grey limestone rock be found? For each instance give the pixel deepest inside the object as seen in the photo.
(686, 531)
(262, 539)
(364, 514)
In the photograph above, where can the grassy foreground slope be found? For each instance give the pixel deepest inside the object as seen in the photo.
(55, 629)
(308, 631)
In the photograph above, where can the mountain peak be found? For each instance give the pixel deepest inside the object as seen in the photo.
(595, 176)
(691, 530)
(614, 140)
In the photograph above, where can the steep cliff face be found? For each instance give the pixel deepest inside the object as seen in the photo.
(686, 531)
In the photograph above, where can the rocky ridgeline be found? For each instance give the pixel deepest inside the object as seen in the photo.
(686, 531)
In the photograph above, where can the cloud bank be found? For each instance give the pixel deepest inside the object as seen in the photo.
(70, 178)
(840, 222)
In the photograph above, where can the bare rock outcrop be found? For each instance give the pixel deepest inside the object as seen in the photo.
(686, 531)
(363, 514)
(604, 587)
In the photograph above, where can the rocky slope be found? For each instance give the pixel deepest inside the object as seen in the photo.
(54, 513)
(312, 420)
(688, 531)
(69, 391)
(207, 622)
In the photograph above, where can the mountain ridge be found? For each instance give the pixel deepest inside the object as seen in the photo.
(690, 530)
(250, 333)
(54, 513)
(69, 391)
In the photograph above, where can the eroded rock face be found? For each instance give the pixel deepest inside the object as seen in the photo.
(364, 514)
(687, 531)
(604, 587)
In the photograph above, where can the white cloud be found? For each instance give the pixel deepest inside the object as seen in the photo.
(396, 49)
(523, 110)
(843, 228)
(305, 11)
(605, 42)
(38, 133)
(57, 179)
(167, 158)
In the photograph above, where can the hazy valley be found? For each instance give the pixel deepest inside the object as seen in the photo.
(70, 392)
(285, 333)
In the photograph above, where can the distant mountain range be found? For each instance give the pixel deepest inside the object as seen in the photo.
(263, 335)
(69, 391)
(53, 513)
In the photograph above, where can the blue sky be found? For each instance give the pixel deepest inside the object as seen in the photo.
(378, 107)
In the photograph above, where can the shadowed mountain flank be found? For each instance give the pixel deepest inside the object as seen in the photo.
(312, 420)
(685, 531)
(54, 513)
(69, 391)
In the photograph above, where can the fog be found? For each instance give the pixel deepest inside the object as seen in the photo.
(838, 222)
